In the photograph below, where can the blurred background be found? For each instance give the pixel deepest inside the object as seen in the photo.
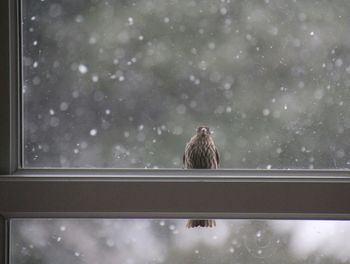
(139, 241)
(123, 84)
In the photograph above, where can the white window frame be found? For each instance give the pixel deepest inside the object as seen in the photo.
(91, 193)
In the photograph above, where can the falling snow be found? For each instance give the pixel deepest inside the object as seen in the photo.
(82, 69)
(93, 132)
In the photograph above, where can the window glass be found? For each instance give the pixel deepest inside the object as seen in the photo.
(124, 84)
(169, 241)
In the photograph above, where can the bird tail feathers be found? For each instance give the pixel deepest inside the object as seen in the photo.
(200, 223)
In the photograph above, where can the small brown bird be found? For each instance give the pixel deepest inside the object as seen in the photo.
(201, 153)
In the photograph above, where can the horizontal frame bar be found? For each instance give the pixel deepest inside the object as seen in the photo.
(235, 197)
(197, 174)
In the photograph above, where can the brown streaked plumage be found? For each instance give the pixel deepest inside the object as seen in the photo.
(201, 153)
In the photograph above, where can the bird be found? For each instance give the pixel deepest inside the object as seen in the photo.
(201, 153)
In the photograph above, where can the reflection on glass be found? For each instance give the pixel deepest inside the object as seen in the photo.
(123, 84)
(169, 241)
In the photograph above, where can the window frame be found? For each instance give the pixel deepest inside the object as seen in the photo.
(109, 193)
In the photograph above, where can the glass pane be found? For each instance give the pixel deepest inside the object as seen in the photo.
(169, 241)
(124, 84)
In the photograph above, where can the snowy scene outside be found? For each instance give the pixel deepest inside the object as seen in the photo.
(124, 84)
(102, 241)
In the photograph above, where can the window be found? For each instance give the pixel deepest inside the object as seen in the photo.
(151, 194)
(122, 84)
(167, 241)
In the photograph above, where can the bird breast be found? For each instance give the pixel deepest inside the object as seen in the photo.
(200, 154)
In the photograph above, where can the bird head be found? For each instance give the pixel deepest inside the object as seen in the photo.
(203, 131)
